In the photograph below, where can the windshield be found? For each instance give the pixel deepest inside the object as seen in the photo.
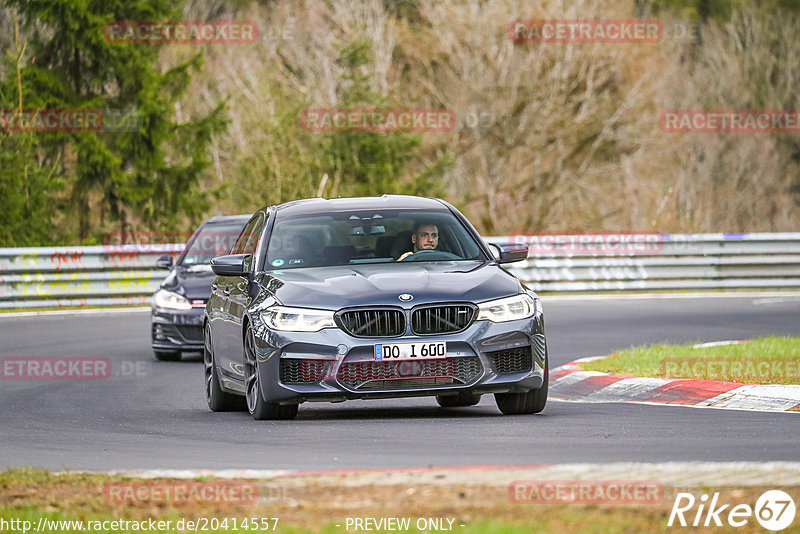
(369, 236)
(210, 241)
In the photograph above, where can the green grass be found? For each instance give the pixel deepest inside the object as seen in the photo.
(768, 360)
(316, 506)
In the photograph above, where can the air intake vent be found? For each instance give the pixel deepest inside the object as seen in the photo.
(302, 371)
(373, 322)
(517, 360)
(442, 319)
(409, 375)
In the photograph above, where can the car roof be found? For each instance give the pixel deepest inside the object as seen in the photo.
(323, 205)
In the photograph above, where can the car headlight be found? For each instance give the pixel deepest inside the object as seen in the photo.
(171, 300)
(508, 309)
(297, 319)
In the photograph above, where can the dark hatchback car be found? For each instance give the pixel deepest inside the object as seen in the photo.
(359, 298)
(177, 309)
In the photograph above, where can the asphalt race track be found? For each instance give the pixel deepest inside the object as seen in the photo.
(153, 415)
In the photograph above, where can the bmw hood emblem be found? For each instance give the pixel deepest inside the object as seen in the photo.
(405, 297)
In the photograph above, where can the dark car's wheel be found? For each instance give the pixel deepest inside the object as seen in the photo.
(218, 400)
(532, 401)
(465, 398)
(167, 355)
(256, 405)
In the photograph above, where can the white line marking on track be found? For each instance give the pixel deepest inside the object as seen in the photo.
(75, 312)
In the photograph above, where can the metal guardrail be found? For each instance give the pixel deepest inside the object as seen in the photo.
(652, 262)
(55, 277)
(58, 277)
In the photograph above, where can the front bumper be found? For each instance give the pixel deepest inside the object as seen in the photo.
(176, 330)
(330, 365)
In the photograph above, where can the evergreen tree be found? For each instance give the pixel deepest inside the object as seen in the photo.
(29, 185)
(149, 176)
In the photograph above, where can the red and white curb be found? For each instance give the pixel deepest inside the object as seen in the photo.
(571, 382)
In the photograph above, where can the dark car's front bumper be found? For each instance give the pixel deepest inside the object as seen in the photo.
(177, 330)
(331, 365)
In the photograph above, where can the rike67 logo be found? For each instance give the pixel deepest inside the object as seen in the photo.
(774, 510)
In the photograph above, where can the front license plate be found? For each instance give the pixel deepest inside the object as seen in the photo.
(411, 351)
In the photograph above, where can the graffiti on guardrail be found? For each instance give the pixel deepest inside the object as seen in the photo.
(613, 268)
(66, 259)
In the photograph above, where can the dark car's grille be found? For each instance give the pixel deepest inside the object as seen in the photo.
(302, 371)
(373, 323)
(409, 374)
(517, 360)
(190, 333)
(443, 319)
(177, 334)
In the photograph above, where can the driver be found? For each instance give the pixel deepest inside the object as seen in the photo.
(424, 237)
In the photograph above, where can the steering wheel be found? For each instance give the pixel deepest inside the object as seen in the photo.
(431, 255)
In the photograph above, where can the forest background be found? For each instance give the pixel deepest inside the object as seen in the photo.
(548, 137)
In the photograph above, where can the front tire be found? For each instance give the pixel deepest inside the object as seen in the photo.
(218, 400)
(465, 398)
(529, 402)
(256, 405)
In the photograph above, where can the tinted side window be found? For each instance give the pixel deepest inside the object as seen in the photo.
(212, 239)
(252, 240)
(241, 242)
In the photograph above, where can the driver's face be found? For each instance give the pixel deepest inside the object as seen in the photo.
(426, 237)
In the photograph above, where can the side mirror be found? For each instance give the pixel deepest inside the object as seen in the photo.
(509, 252)
(165, 262)
(231, 265)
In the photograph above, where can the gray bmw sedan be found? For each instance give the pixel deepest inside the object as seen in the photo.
(359, 298)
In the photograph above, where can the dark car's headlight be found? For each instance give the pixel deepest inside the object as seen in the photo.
(297, 319)
(508, 309)
(171, 300)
